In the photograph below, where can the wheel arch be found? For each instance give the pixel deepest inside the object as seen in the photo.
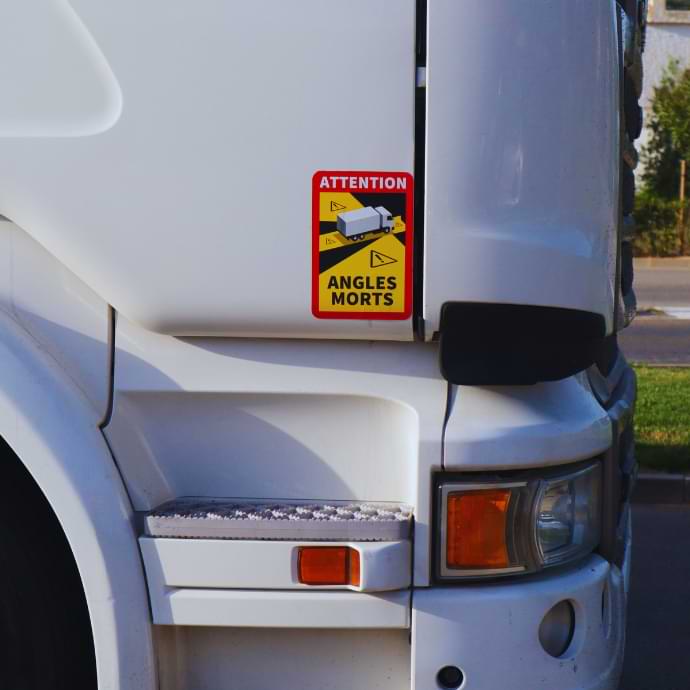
(53, 431)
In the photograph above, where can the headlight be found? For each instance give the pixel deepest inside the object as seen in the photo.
(499, 527)
(568, 520)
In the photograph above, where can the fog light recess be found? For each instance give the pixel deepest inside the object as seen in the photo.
(557, 629)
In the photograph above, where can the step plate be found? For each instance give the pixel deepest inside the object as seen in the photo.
(204, 518)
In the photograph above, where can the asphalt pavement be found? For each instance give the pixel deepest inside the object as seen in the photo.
(657, 340)
(661, 332)
(657, 655)
(662, 282)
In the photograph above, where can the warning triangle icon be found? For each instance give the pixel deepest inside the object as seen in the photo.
(377, 259)
(335, 206)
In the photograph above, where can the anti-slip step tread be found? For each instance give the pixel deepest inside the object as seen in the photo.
(204, 518)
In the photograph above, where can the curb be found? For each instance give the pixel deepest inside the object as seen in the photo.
(661, 261)
(662, 488)
(659, 365)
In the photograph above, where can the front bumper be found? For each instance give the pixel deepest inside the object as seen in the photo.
(491, 632)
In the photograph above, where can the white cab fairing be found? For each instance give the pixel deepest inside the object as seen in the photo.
(55, 80)
(495, 428)
(209, 658)
(60, 312)
(278, 419)
(50, 425)
(259, 419)
(491, 632)
(521, 163)
(162, 152)
(188, 205)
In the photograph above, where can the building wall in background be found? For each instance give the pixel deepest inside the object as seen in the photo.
(668, 37)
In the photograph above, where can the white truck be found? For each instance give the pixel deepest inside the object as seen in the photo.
(356, 224)
(207, 484)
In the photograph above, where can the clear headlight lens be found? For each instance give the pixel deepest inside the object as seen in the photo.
(492, 528)
(568, 521)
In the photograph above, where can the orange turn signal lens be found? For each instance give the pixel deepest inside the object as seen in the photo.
(476, 529)
(328, 565)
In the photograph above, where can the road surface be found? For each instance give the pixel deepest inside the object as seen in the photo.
(657, 339)
(657, 653)
(662, 282)
(658, 645)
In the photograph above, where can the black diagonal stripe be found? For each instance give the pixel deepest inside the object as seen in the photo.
(396, 203)
(326, 226)
(335, 256)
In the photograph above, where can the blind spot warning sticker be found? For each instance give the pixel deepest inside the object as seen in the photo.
(362, 245)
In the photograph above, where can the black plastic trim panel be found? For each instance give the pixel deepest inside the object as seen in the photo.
(511, 344)
(419, 175)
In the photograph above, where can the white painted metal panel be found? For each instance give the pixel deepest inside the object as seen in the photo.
(288, 610)
(492, 632)
(513, 426)
(178, 182)
(521, 157)
(245, 564)
(279, 419)
(296, 444)
(59, 310)
(197, 658)
(6, 228)
(55, 80)
(274, 419)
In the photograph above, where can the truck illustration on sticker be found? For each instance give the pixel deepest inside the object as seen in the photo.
(354, 225)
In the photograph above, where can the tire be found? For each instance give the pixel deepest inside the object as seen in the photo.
(44, 624)
(632, 117)
(627, 268)
(633, 111)
(628, 191)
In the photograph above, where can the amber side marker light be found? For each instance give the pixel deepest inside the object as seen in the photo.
(476, 529)
(328, 565)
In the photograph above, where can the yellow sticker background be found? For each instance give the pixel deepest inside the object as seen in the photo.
(384, 258)
(333, 203)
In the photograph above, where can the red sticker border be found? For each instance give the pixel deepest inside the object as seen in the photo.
(409, 243)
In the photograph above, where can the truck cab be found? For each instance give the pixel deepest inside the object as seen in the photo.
(377, 435)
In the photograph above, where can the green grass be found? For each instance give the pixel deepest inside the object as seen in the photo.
(662, 418)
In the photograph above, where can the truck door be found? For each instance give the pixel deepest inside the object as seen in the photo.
(179, 182)
(522, 125)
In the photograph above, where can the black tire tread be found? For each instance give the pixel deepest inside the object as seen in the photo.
(44, 623)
